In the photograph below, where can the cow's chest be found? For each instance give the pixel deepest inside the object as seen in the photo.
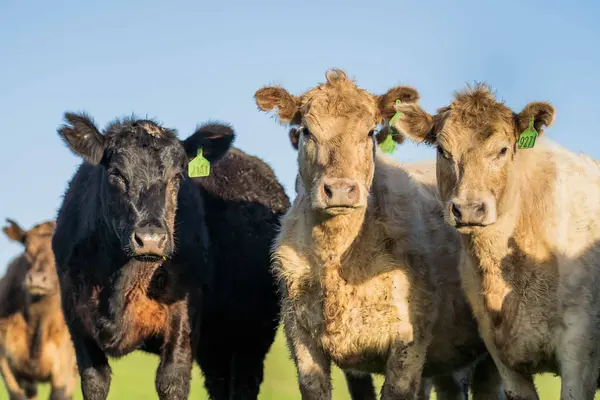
(18, 347)
(520, 320)
(356, 322)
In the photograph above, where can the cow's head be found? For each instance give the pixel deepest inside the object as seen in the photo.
(141, 165)
(333, 128)
(41, 279)
(476, 138)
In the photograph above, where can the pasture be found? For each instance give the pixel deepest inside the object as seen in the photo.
(133, 378)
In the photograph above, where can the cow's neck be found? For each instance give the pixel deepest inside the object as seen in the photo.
(332, 236)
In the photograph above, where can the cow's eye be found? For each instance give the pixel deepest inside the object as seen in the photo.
(371, 132)
(443, 152)
(305, 132)
(503, 152)
(117, 179)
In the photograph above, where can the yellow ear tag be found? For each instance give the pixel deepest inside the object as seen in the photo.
(528, 136)
(199, 166)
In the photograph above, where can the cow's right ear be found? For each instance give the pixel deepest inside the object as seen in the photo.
(415, 123)
(14, 231)
(288, 106)
(82, 137)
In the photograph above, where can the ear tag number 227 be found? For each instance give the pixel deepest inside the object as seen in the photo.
(528, 136)
(198, 166)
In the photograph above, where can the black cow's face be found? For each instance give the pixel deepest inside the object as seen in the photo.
(142, 166)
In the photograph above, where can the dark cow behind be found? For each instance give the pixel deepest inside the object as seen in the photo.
(151, 259)
(35, 345)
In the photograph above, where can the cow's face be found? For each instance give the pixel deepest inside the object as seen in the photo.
(335, 137)
(477, 142)
(41, 278)
(142, 165)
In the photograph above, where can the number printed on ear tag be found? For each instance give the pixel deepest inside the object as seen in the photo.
(528, 136)
(199, 166)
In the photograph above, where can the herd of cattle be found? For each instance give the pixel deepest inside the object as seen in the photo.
(472, 272)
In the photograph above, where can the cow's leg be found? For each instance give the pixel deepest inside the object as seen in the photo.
(175, 369)
(94, 370)
(578, 353)
(403, 371)
(312, 365)
(448, 387)
(360, 385)
(424, 389)
(29, 388)
(486, 382)
(15, 392)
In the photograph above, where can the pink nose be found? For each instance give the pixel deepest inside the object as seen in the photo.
(469, 213)
(339, 192)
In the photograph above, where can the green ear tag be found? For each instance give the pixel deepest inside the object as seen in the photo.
(528, 136)
(198, 166)
(389, 145)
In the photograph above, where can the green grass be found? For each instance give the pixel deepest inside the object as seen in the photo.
(133, 378)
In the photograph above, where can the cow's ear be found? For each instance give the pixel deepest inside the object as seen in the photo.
(542, 113)
(288, 106)
(213, 138)
(82, 137)
(14, 232)
(387, 101)
(416, 124)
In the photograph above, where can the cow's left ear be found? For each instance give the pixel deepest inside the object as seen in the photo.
(214, 139)
(542, 113)
(14, 231)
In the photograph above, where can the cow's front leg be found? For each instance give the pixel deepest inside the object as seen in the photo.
(175, 369)
(403, 371)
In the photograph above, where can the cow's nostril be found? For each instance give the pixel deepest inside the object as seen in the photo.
(328, 192)
(455, 211)
(138, 240)
(351, 188)
(481, 208)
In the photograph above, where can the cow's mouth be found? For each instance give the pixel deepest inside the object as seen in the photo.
(340, 210)
(149, 257)
(38, 291)
(466, 228)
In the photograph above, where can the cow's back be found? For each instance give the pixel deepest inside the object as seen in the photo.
(243, 203)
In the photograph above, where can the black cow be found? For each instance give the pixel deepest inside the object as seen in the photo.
(149, 258)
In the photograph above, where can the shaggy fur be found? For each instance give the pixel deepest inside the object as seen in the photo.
(373, 287)
(210, 285)
(35, 345)
(530, 266)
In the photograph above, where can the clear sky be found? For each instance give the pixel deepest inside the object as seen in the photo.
(184, 62)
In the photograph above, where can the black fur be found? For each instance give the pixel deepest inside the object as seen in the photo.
(215, 282)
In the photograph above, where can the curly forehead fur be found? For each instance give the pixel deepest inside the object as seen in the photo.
(145, 132)
(339, 96)
(477, 106)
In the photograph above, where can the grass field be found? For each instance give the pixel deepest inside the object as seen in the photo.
(133, 378)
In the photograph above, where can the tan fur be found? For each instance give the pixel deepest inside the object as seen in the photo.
(34, 339)
(375, 288)
(531, 273)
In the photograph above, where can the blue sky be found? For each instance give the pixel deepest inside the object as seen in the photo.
(184, 62)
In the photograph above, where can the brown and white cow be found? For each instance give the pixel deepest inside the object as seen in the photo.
(35, 345)
(368, 269)
(529, 220)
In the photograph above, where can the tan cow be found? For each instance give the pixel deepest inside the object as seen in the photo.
(35, 345)
(368, 269)
(530, 225)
